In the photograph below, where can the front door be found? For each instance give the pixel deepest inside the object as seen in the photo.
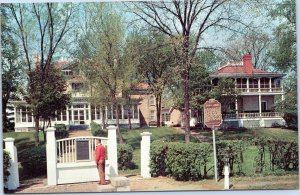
(264, 106)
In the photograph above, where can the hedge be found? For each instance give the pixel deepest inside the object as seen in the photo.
(282, 155)
(180, 160)
(33, 161)
(233, 150)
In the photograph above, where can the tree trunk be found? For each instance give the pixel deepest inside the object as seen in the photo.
(103, 118)
(36, 134)
(43, 129)
(158, 109)
(129, 119)
(121, 141)
(185, 79)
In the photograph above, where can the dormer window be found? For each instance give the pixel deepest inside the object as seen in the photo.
(68, 72)
(77, 87)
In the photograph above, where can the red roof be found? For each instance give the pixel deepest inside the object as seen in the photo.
(237, 69)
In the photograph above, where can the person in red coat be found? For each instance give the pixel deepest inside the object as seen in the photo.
(100, 161)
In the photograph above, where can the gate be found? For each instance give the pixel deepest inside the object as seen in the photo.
(71, 160)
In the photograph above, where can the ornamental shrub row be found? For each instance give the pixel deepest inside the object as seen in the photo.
(233, 151)
(279, 155)
(180, 160)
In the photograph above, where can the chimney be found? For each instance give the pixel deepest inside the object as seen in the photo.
(36, 59)
(247, 62)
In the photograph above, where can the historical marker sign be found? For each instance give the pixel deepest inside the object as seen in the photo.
(82, 150)
(212, 113)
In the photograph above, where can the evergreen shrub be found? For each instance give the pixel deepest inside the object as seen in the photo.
(33, 161)
(97, 130)
(61, 131)
(125, 155)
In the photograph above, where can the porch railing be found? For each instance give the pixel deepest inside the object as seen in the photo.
(67, 148)
(273, 89)
(252, 115)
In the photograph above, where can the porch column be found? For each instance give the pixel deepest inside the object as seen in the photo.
(68, 117)
(13, 179)
(259, 104)
(15, 114)
(270, 84)
(51, 156)
(247, 84)
(236, 107)
(258, 84)
(90, 113)
(122, 108)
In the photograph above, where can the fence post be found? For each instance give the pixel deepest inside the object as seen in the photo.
(13, 179)
(145, 155)
(51, 151)
(112, 151)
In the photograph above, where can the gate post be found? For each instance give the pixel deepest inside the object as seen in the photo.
(51, 151)
(112, 151)
(145, 155)
(13, 179)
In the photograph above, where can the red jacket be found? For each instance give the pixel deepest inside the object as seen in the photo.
(100, 153)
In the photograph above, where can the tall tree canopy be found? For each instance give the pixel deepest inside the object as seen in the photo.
(186, 22)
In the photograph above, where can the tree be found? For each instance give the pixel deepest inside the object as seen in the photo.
(284, 49)
(41, 26)
(100, 53)
(284, 58)
(255, 42)
(10, 64)
(156, 65)
(46, 94)
(185, 22)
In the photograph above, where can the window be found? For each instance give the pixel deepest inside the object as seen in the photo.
(166, 117)
(264, 83)
(135, 111)
(151, 100)
(152, 115)
(109, 112)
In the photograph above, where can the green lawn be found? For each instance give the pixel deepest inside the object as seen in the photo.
(23, 140)
(133, 137)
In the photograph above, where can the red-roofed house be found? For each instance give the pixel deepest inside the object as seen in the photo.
(258, 90)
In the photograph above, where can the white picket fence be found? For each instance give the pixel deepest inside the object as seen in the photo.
(67, 148)
(62, 156)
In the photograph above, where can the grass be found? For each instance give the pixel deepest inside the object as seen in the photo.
(23, 140)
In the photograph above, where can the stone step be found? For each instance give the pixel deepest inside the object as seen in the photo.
(119, 182)
(106, 188)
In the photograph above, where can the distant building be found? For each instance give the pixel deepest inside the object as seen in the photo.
(82, 112)
(258, 90)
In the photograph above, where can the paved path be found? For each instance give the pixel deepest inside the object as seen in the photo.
(137, 183)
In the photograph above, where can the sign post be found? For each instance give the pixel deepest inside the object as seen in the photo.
(213, 119)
